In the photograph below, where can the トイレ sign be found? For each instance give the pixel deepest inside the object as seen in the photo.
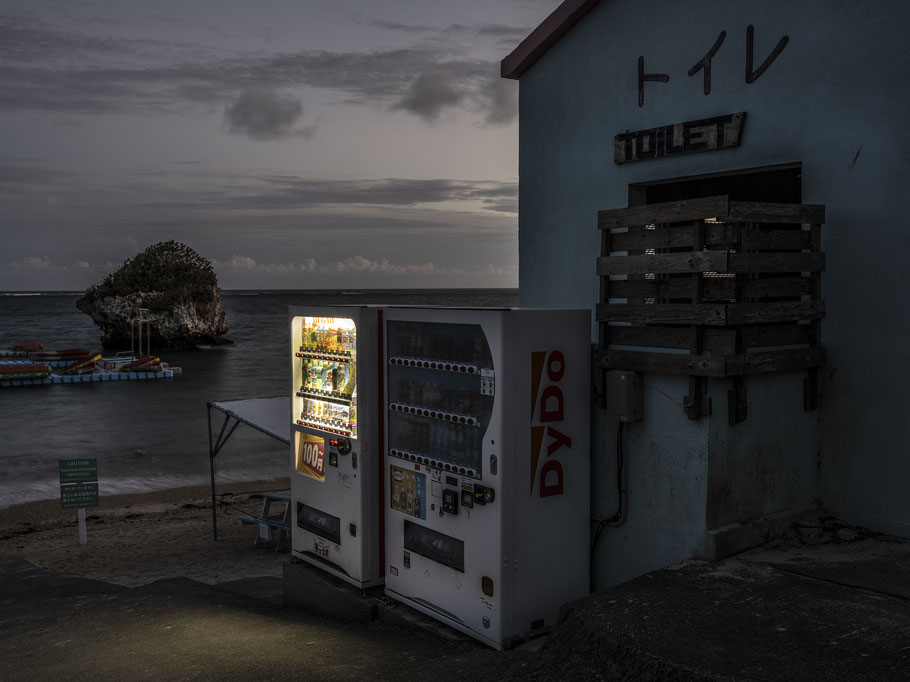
(702, 135)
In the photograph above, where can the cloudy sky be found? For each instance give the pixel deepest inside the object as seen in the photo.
(296, 144)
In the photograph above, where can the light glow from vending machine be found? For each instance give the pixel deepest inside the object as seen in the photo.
(326, 380)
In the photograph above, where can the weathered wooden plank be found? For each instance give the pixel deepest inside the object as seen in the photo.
(709, 365)
(775, 262)
(776, 240)
(763, 212)
(713, 314)
(664, 363)
(714, 288)
(649, 238)
(668, 212)
(776, 335)
(773, 361)
(674, 237)
(775, 287)
(603, 330)
(716, 341)
(774, 311)
(688, 262)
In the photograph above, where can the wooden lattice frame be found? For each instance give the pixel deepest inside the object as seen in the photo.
(736, 284)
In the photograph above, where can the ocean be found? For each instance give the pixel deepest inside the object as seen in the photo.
(152, 435)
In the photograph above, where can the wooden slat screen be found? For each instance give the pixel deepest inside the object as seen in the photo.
(736, 284)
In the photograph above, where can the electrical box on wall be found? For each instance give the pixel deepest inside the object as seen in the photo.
(624, 396)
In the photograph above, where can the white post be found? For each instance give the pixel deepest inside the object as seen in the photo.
(81, 525)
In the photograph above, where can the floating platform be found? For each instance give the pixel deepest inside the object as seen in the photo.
(90, 378)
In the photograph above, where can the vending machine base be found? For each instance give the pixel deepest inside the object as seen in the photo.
(336, 571)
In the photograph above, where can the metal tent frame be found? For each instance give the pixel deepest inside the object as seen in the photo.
(267, 415)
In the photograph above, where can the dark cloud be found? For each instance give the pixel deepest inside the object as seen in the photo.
(264, 116)
(501, 101)
(399, 26)
(280, 192)
(46, 69)
(430, 93)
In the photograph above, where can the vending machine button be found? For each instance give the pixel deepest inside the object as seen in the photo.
(467, 499)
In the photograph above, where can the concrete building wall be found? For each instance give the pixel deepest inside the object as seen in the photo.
(833, 100)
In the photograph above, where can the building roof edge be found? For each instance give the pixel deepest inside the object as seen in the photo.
(563, 18)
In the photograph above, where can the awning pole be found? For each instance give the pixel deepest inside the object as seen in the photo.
(212, 470)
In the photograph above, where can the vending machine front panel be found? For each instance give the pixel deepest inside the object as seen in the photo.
(334, 479)
(487, 511)
(443, 434)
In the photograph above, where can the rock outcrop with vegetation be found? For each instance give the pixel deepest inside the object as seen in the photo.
(174, 284)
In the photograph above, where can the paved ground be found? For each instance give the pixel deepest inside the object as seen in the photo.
(835, 610)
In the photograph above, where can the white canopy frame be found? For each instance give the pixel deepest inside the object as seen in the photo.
(271, 416)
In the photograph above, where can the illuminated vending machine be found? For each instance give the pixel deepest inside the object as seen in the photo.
(335, 499)
(487, 467)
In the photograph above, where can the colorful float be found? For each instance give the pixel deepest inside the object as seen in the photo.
(24, 370)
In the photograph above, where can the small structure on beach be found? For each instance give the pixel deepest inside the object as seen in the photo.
(688, 173)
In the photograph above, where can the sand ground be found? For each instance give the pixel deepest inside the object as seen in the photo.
(133, 540)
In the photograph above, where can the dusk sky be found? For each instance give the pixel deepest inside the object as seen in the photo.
(296, 144)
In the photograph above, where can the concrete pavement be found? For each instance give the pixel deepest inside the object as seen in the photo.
(835, 610)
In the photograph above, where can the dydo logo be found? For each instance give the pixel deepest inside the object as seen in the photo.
(547, 415)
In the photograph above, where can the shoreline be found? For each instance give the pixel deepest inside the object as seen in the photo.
(137, 538)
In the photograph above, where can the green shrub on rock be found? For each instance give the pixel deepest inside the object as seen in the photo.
(177, 287)
(173, 271)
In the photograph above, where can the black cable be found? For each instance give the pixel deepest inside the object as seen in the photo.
(603, 523)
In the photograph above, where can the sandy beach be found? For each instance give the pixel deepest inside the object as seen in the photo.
(136, 539)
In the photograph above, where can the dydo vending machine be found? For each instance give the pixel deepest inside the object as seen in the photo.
(335, 498)
(487, 467)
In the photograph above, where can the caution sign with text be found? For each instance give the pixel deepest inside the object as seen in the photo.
(78, 483)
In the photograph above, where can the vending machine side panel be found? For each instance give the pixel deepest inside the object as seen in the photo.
(549, 380)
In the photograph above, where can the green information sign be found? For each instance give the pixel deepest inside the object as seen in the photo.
(79, 495)
(78, 483)
(78, 470)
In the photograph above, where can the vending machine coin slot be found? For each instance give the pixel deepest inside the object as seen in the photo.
(450, 501)
(467, 499)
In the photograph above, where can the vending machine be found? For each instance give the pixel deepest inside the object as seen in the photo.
(335, 495)
(487, 417)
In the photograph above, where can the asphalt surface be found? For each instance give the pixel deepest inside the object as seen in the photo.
(837, 610)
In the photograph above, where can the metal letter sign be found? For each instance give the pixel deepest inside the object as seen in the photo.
(706, 134)
(78, 483)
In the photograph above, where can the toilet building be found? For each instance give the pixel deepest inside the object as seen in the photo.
(723, 185)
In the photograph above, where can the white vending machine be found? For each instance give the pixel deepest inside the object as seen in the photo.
(487, 465)
(335, 494)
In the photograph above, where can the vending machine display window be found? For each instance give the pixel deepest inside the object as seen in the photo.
(325, 379)
(440, 397)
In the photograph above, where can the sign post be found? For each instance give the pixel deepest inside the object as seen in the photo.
(79, 488)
